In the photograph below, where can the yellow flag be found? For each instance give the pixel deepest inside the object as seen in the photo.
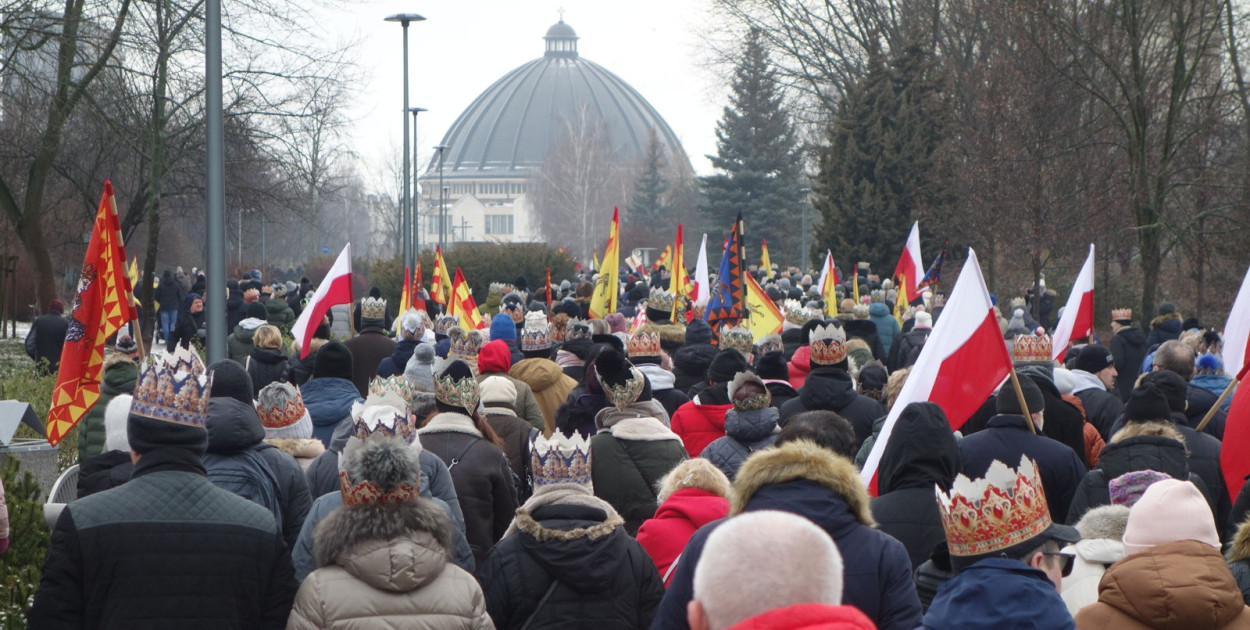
(440, 283)
(764, 261)
(765, 318)
(679, 283)
(132, 272)
(466, 306)
(855, 285)
(830, 290)
(900, 304)
(594, 257)
(603, 301)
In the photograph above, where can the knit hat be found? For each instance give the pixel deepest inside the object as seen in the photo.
(1094, 358)
(923, 320)
(170, 404)
(1170, 510)
(56, 306)
(698, 332)
(257, 310)
(1127, 489)
(622, 383)
(1007, 402)
(333, 360)
(1145, 403)
(1171, 385)
(748, 393)
(281, 410)
(560, 459)
(1166, 308)
(115, 421)
(455, 390)
(616, 322)
(772, 366)
(420, 368)
(502, 327)
(497, 392)
(725, 365)
(230, 380)
(1209, 364)
(126, 344)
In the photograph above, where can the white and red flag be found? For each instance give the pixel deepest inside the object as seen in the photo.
(1237, 330)
(962, 363)
(1078, 314)
(1235, 452)
(910, 268)
(702, 290)
(335, 288)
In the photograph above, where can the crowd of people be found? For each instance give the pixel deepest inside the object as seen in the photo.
(646, 470)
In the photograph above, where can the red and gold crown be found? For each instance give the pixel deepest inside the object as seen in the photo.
(1122, 313)
(560, 460)
(644, 344)
(1002, 510)
(1031, 349)
(173, 388)
(382, 416)
(284, 416)
(737, 338)
(396, 385)
(370, 492)
(698, 309)
(828, 345)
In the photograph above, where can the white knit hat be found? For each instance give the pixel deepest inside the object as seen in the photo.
(282, 412)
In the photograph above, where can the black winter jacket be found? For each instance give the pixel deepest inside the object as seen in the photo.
(1128, 349)
(394, 365)
(1144, 452)
(234, 308)
(690, 365)
(904, 347)
(1064, 422)
(103, 472)
(1101, 409)
(1006, 438)
(867, 331)
(186, 330)
(49, 338)
(831, 388)
(781, 392)
(265, 366)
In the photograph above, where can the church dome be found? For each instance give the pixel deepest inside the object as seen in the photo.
(508, 129)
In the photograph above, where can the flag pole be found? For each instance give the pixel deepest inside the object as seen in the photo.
(1024, 405)
(1232, 384)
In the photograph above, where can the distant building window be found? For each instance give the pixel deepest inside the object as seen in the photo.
(518, 189)
(462, 189)
(433, 221)
(499, 224)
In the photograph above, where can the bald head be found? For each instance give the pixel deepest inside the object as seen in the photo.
(796, 563)
(1175, 356)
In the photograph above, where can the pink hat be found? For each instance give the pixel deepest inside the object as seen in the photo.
(1170, 510)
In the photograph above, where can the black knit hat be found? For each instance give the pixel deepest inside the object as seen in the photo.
(1008, 403)
(230, 380)
(1171, 385)
(257, 310)
(697, 332)
(1147, 402)
(333, 360)
(725, 364)
(772, 366)
(1093, 359)
(622, 383)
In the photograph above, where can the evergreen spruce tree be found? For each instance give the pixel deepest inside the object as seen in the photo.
(877, 173)
(647, 210)
(761, 168)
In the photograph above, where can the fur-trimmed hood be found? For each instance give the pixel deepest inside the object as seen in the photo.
(1240, 549)
(299, 448)
(564, 494)
(802, 460)
(450, 422)
(1162, 322)
(393, 547)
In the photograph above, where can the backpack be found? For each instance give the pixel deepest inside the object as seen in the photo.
(248, 475)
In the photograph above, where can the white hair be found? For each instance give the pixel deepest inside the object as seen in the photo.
(115, 417)
(789, 560)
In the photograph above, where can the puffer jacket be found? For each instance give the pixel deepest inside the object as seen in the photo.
(629, 456)
(921, 455)
(103, 472)
(482, 476)
(1182, 584)
(676, 520)
(234, 427)
(240, 341)
(385, 566)
(394, 365)
(265, 366)
(1093, 554)
(328, 401)
(1164, 328)
(120, 374)
(369, 347)
(887, 326)
(699, 425)
(996, 594)
(832, 389)
(800, 366)
(1238, 557)
(526, 405)
(551, 386)
(745, 432)
(808, 617)
(280, 313)
(1144, 452)
(570, 548)
(690, 365)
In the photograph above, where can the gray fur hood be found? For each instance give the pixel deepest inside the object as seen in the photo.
(395, 547)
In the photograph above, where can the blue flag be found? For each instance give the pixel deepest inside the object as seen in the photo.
(727, 304)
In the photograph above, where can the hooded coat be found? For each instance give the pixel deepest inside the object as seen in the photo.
(999, 593)
(676, 520)
(496, 360)
(1163, 328)
(1100, 547)
(1006, 438)
(1183, 584)
(690, 365)
(804, 479)
(120, 374)
(329, 401)
(394, 365)
(386, 566)
(699, 425)
(904, 352)
(887, 326)
(629, 456)
(240, 341)
(800, 366)
(831, 388)
(1239, 560)
(1143, 452)
(369, 347)
(745, 433)
(280, 313)
(662, 387)
(550, 385)
(1128, 348)
(265, 366)
(922, 454)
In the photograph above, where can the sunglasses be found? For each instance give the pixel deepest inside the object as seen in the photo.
(1066, 561)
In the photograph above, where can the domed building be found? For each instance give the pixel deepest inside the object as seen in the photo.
(501, 139)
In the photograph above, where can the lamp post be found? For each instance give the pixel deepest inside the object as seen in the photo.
(215, 183)
(405, 204)
(442, 195)
(414, 222)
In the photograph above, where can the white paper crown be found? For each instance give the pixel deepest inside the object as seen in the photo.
(373, 308)
(173, 388)
(559, 459)
(828, 344)
(1005, 508)
(536, 333)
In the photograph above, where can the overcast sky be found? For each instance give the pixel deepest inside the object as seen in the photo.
(465, 45)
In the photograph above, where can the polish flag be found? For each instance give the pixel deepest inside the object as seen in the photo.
(335, 288)
(1237, 330)
(911, 263)
(1235, 453)
(702, 290)
(1078, 314)
(962, 363)
(825, 270)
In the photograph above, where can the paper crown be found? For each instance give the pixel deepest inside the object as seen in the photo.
(1002, 510)
(1031, 348)
(370, 492)
(373, 308)
(698, 309)
(828, 345)
(498, 288)
(660, 300)
(796, 313)
(626, 394)
(393, 385)
(382, 415)
(737, 338)
(173, 388)
(466, 343)
(1122, 313)
(577, 329)
(284, 416)
(769, 343)
(462, 393)
(536, 335)
(761, 400)
(559, 459)
(644, 344)
(444, 323)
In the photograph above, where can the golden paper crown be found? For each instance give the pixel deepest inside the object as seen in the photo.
(384, 416)
(466, 343)
(769, 343)
(461, 393)
(1031, 348)
(660, 300)
(626, 394)
(1122, 313)
(373, 308)
(168, 392)
(444, 323)
(1004, 509)
(698, 309)
(737, 338)
(644, 344)
(370, 492)
(284, 416)
(796, 313)
(560, 460)
(396, 385)
(828, 345)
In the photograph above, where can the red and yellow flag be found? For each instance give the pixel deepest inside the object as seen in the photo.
(663, 261)
(550, 289)
(680, 281)
(765, 263)
(405, 297)
(465, 305)
(440, 283)
(414, 290)
(103, 304)
(607, 287)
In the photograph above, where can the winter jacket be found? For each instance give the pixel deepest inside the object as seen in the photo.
(305, 451)
(234, 427)
(808, 617)
(550, 385)
(265, 366)
(103, 472)
(577, 414)
(49, 339)
(186, 330)
(922, 454)
(1216, 384)
(904, 353)
(1163, 328)
(887, 326)
(1238, 557)
(1101, 406)
(1182, 584)
(781, 392)
(394, 365)
(996, 594)
(804, 479)
(280, 313)
(143, 554)
(867, 331)
(745, 432)
(699, 425)
(1128, 349)
(328, 401)
(629, 456)
(800, 366)
(569, 548)
(235, 308)
(832, 389)
(1006, 438)
(168, 295)
(120, 374)
(1092, 557)
(516, 435)
(1065, 423)
(369, 347)
(482, 476)
(676, 520)
(690, 365)
(1200, 402)
(662, 382)
(240, 341)
(1144, 452)
(398, 579)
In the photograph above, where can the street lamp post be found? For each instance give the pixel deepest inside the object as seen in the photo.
(405, 204)
(215, 183)
(442, 195)
(414, 223)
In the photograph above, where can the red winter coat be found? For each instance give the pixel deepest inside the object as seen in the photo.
(675, 521)
(699, 425)
(808, 617)
(800, 366)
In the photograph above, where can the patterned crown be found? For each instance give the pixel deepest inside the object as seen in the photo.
(762, 400)
(769, 343)
(382, 415)
(394, 385)
(536, 335)
(828, 345)
(444, 323)
(626, 394)
(284, 416)
(1016, 302)
(461, 393)
(373, 308)
(1031, 348)
(498, 288)
(466, 344)
(660, 300)
(738, 338)
(577, 329)
(796, 313)
(370, 492)
(173, 389)
(989, 515)
(698, 309)
(560, 460)
(644, 344)
(1122, 313)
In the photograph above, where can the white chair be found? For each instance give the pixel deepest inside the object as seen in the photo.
(63, 491)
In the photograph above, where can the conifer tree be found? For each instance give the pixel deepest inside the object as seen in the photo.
(647, 210)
